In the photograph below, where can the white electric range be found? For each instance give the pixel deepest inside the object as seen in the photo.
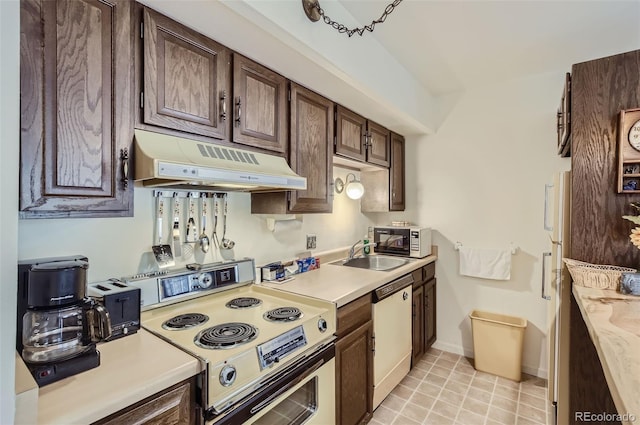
(267, 354)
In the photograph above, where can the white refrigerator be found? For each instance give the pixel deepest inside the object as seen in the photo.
(556, 290)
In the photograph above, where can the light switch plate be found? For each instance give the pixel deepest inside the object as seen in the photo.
(311, 241)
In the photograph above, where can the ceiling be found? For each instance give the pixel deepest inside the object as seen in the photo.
(455, 45)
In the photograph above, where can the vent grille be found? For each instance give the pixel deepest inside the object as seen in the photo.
(226, 154)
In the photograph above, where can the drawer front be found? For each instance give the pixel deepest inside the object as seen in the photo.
(417, 278)
(429, 272)
(353, 315)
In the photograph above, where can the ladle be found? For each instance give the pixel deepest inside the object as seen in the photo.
(204, 239)
(226, 243)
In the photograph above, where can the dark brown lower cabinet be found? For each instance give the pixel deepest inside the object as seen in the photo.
(429, 313)
(354, 363)
(423, 325)
(417, 324)
(175, 405)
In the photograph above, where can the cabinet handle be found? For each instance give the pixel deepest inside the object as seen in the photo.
(559, 121)
(223, 105)
(364, 141)
(124, 157)
(544, 276)
(238, 111)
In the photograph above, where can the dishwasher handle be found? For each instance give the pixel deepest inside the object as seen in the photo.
(392, 287)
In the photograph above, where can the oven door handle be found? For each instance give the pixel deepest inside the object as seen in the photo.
(285, 388)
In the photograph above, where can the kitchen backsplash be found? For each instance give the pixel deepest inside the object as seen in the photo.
(122, 246)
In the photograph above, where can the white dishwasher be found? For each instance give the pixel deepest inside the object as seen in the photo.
(392, 336)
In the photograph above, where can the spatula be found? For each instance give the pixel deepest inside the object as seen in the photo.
(161, 252)
(177, 242)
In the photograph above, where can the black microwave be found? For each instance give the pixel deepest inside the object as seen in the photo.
(405, 241)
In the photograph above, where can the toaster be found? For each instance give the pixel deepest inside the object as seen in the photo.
(122, 302)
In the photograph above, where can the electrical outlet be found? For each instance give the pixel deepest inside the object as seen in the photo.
(311, 241)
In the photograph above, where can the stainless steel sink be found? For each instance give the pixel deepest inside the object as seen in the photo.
(373, 262)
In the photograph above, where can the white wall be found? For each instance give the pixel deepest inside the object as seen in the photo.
(122, 246)
(9, 146)
(481, 182)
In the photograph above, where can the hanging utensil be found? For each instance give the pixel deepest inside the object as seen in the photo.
(161, 252)
(204, 239)
(177, 241)
(216, 211)
(226, 243)
(190, 237)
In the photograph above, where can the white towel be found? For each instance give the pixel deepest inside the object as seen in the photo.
(485, 263)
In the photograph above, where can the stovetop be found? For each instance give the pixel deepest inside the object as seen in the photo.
(234, 371)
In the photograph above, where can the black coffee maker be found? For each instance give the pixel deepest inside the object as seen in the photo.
(57, 326)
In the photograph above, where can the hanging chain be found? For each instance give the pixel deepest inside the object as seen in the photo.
(342, 29)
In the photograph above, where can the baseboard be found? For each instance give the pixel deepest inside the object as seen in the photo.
(457, 349)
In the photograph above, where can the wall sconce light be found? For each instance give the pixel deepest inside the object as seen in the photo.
(353, 187)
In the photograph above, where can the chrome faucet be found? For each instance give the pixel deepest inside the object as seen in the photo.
(353, 249)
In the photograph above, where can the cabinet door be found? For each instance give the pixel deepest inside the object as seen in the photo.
(378, 144)
(259, 106)
(429, 313)
(396, 174)
(351, 132)
(417, 324)
(186, 79)
(76, 75)
(311, 150)
(173, 406)
(354, 376)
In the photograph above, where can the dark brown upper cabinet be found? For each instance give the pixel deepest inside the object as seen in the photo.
(187, 79)
(397, 173)
(563, 118)
(76, 106)
(361, 139)
(259, 106)
(311, 156)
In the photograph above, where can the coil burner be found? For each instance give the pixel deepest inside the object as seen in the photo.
(226, 335)
(185, 321)
(283, 314)
(244, 302)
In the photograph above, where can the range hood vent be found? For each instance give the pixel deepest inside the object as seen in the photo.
(177, 163)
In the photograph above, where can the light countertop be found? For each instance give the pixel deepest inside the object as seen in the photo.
(131, 368)
(341, 285)
(613, 321)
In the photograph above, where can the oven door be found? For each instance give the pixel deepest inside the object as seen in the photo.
(302, 395)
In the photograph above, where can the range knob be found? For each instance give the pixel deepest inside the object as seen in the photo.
(205, 280)
(227, 375)
(322, 325)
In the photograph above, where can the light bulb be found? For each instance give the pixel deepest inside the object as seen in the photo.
(355, 190)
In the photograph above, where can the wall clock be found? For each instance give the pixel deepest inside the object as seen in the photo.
(629, 151)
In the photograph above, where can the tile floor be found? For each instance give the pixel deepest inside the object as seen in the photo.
(444, 388)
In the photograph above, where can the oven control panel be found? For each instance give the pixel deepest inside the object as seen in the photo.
(167, 286)
(279, 347)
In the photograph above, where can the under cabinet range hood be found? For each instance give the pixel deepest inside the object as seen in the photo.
(178, 163)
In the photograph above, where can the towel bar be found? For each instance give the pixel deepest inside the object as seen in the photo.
(513, 247)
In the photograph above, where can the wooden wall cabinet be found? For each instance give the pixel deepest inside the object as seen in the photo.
(354, 362)
(175, 405)
(384, 188)
(423, 310)
(259, 106)
(187, 79)
(311, 156)
(396, 174)
(76, 105)
(361, 139)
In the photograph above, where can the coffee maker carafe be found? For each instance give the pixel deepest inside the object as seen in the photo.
(57, 326)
